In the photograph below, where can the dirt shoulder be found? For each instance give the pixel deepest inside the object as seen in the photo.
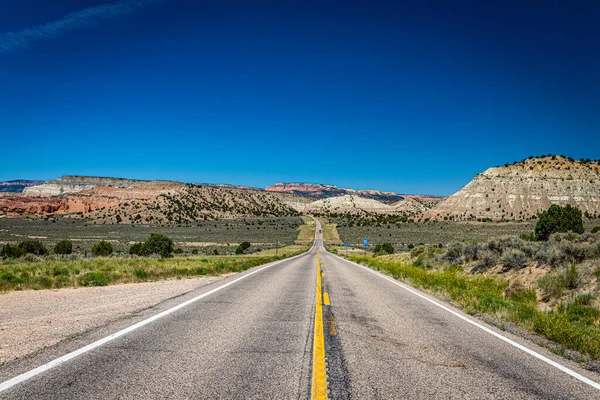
(33, 319)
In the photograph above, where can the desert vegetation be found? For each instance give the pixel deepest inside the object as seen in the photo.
(203, 236)
(59, 272)
(549, 287)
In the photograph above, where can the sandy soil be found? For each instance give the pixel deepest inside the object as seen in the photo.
(33, 319)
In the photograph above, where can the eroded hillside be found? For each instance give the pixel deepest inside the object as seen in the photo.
(522, 190)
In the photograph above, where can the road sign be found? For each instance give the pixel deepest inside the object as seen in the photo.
(346, 244)
(366, 242)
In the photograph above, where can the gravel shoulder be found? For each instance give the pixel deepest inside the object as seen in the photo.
(33, 319)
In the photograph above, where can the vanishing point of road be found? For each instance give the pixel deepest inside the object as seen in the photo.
(312, 326)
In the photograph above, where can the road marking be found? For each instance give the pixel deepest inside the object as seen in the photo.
(326, 299)
(319, 370)
(527, 350)
(61, 360)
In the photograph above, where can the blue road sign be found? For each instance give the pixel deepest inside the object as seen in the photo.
(366, 242)
(346, 244)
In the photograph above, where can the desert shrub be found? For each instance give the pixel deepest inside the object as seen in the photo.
(425, 256)
(178, 251)
(572, 276)
(158, 244)
(34, 247)
(454, 251)
(384, 248)
(102, 249)
(63, 247)
(542, 255)
(470, 252)
(596, 229)
(195, 252)
(245, 245)
(559, 219)
(487, 259)
(94, 278)
(552, 285)
(575, 252)
(10, 251)
(136, 249)
(513, 259)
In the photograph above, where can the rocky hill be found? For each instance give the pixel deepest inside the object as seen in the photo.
(316, 190)
(125, 201)
(522, 190)
(17, 186)
(355, 205)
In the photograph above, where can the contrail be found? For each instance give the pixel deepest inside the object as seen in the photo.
(85, 18)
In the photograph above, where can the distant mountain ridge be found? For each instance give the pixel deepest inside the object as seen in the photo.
(321, 191)
(17, 185)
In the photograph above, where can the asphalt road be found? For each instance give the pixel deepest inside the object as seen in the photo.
(253, 340)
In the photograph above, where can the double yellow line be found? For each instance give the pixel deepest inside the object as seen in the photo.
(319, 388)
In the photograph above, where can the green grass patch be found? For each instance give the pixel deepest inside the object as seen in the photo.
(59, 273)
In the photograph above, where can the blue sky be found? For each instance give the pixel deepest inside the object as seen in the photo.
(412, 97)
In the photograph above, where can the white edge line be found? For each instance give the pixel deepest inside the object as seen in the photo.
(76, 353)
(527, 350)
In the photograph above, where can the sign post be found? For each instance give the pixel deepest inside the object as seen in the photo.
(346, 244)
(366, 244)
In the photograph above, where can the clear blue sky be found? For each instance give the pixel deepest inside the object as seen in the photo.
(413, 97)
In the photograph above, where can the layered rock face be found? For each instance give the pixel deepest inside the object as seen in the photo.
(322, 191)
(73, 184)
(522, 190)
(19, 205)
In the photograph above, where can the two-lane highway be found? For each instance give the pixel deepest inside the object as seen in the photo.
(252, 337)
(250, 340)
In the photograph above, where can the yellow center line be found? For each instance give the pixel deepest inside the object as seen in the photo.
(326, 298)
(319, 388)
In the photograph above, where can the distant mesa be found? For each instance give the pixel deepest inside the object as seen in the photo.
(73, 184)
(521, 190)
(17, 186)
(323, 191)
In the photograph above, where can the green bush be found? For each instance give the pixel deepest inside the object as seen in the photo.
(195, 252)
(178, 251)
(137, 249)
(102, 249)
(384, 248)
(158, 244)
(9, 251)
(34, 247)
(63, 247)
(596, 229)
(559, 219)
(94, 279)
(141, 273)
